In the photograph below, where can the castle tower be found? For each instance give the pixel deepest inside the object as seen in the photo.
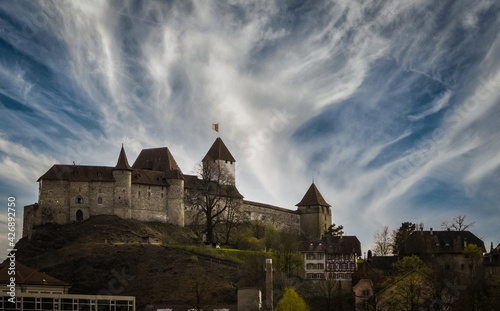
(162, 160)
(122, 173)
(224, 162)
(315, 213)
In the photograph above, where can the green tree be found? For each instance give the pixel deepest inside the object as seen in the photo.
(288, 259)
(411, 288)
(291, 301)
(271, 236)
(400, 236)
(334, 230)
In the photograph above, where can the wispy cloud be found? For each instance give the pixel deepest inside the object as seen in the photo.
(348, 92)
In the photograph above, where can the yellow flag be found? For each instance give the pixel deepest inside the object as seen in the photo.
(215, 127)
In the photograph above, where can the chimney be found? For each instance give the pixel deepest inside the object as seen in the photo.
(269, 284)
(432, 232)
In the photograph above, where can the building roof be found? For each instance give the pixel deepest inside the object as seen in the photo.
(156, 159)
(28, 276)
(122, 163)
(333, 245)
(193, 182)
(281, 209)
(312, 197)
(440, 242)
(382, 262)
(219, 151)
(78, 173)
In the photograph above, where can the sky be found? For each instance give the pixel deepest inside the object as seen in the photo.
(391, 107)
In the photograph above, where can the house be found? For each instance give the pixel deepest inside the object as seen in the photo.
(443, 252)
(332, 257)
(36, 290)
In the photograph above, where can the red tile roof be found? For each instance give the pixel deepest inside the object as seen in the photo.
(219, 151)
(312, 197)
(27, 276)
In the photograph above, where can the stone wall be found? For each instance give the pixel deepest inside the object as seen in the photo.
(283, 219)
(149, 202)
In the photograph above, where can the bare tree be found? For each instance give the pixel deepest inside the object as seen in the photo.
(457, 224)
(383, 242)
(231, 218)
(214, 195)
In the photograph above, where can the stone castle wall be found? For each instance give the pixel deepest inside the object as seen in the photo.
(283, 219)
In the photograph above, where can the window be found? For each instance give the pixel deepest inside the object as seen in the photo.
(321, 256)
(79, 199)
(366, 292)
(309, 266)
(162, 195)
(149, 194)
(99, 200)
(321, 266)
(139, 193)
(310, 256)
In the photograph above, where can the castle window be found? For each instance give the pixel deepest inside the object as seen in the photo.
(149, 194)
(162, 195)
(139, 193)
(79, 199)
(79, 215)
(99, 200)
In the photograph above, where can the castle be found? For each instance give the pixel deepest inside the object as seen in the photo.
(155, 189)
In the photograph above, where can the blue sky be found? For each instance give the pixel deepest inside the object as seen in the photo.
(392, 107)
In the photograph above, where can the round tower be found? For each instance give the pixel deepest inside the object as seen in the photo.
(122, 173)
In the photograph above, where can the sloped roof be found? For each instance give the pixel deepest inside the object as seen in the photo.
(219, 151)
(156, 159)
(78, 173)
(193, 182)
(28, 276)
(122, 163)
(281, 209)
(312, 197)
(333, 245)
(440, 242)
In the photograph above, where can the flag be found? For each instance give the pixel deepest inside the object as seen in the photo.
(215, 127)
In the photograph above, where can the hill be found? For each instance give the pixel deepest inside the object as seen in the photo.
(104, 255)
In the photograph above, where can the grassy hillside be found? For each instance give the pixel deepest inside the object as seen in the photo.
(104, 255)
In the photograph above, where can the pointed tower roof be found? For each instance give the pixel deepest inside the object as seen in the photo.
(219, 151)
(156, 159)
(312, 197)
(122, 163)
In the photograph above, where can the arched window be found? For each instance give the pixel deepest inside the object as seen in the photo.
(79, 199)
(99, 200)
(79, 215)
